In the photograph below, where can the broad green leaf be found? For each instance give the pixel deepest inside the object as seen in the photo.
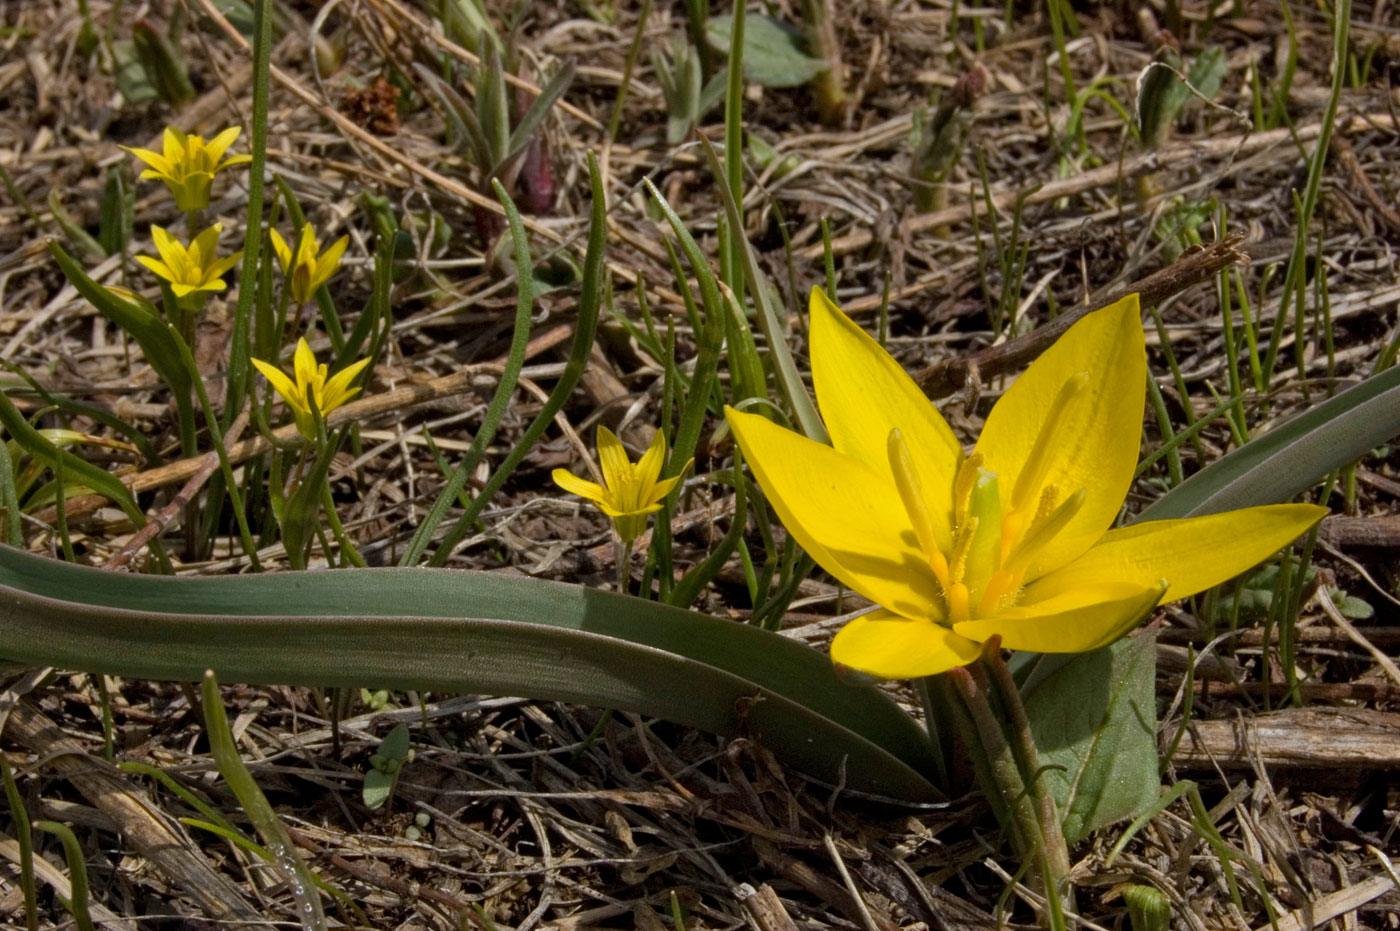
(773, 50)
(460, 631)
(1094, 718)
(376, 789)
(1280, 464)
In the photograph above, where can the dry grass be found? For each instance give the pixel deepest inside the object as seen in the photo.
(529, 822)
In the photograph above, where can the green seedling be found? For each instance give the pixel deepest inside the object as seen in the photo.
(385, 765)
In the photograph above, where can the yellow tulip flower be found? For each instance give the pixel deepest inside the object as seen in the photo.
(629, 491)
(1012, 540)
(306, 271)
(312, 386)
(193, 269)
(189, 164)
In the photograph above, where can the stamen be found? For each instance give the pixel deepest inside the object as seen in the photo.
(962, 542)
(1042, 531)
(984, 548)
(962, 487)
(957, 603)
(911, 492)
(939, 564)
(997, 587)
(1042, 454)
(1049, 496)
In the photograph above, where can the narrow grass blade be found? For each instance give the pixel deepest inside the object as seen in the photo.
(789, 381)
(255, 805)
(77, 872)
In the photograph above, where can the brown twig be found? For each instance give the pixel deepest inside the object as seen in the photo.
(950, 375)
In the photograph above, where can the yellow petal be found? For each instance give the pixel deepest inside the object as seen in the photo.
(173, 143)
(649, 466)
(886, 645)
(156, 266)
(205, 245)
(613, 459)
(306, 247)
(304, 365)
(217, 268)
(329, 262)
(157, 162)
(216, 146)
(663, 488)
(864, 394)
(277, 379)
(1096, 444)
(1191, 554)
(581, 487)
(1077, 621)
(338, 389)
(279, 245)
(845, 515)
(171, 250)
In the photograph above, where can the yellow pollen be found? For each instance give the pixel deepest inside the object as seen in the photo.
(962, 544)
(1049, 499)
(962, 486)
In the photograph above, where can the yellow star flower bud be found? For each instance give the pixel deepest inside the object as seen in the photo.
(629, 491)
(193, 269)
(189, 164)
(312, 386)
(306, 271)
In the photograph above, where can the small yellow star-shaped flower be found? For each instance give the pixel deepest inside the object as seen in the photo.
(189, 164)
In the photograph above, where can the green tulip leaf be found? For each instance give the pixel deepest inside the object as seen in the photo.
(1284, 462)
(1094, 718)
(473, 632)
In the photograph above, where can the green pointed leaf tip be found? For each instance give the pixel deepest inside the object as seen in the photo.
(1094, 719)
(773, 50)
(403, 629)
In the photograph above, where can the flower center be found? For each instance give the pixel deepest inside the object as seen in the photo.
(982, 567)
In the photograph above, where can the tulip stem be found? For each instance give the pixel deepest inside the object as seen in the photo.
(624, 565)
(1033, 835)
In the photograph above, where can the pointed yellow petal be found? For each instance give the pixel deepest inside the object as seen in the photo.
(216, 146)
(173, 143)
(613, 459)
(845, 515)
(217, 268)
(1095, 445)
(1091, 616)
(278, 380)
(329, 261)
(181, 289)
(338, 389)
(304, 365)
(649, 466)
(307, 246)
(233, 160)
(864, 394)
(205, 245)
(154, 159)
(886, 645)
(171, 250)
(581, 487)
(156, 266)
(1191, 554)
(279, 245)
(663, 488)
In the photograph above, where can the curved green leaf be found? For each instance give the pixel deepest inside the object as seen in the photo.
(404, 628)
(1285, 461)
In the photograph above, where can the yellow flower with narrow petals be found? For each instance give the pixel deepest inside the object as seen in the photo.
(314, 385)
(1012, 540)
(193, 269)
(307, 271)
(629, 491)
(189, 164)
